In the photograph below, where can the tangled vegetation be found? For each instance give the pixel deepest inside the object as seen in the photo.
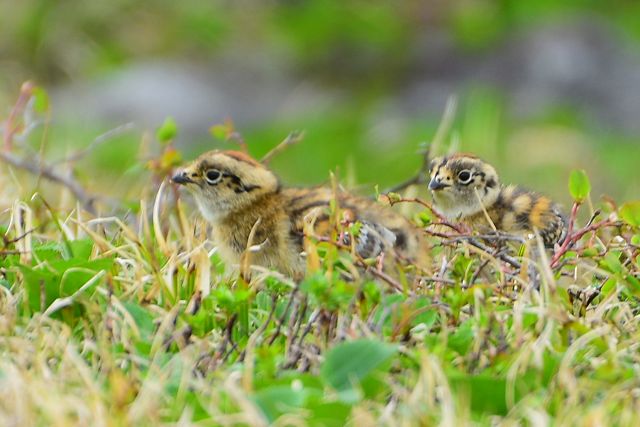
(131, 319)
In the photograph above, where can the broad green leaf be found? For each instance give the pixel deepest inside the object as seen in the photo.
(142, 317)
(60, 278)
(277, 400)
(579, 185)
(40, 100)
(82, 248)
(590, 252)
(425, 317)
(167, 131)
(630, 213)
(347, 364)
(332, 414)
(42, 287)
(609, 286)
(75, 273)
(461, 340)
(487, 394)
(612, 262)
(219, 131)
(48, 251)
(633, 282)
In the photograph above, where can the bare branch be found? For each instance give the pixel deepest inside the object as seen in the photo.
(291, 139)
(100, 139)
(573, 237)
(87, 200)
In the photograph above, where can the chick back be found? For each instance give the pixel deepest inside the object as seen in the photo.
(382, 228)
(517, 209)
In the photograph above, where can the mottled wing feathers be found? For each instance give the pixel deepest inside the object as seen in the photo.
(373, 239)
(381, 229)
(517, 209)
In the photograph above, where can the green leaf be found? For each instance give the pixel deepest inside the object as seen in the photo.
(75, 273)
(487, 394)
(609, 286)
(461, 340)
(630, 213)
(611, 262)
(42, 287)
(40, 100)
(60, 278)
(142, 317)
(332, 414)
(170, 158)
(278, 400)
(219, 131)
(633, 282)
(167, 131)
(579, 185)
(82, 248)
(348, 364)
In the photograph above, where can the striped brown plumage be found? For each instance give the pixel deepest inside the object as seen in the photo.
(233, 191)
(466, 188)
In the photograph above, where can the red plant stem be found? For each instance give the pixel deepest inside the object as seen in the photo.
(10, 127)
(424, 203)
(442, 219)
(569, 238)
(572, 238)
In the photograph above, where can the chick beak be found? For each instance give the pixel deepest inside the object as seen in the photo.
(435, 185)
(181, 178)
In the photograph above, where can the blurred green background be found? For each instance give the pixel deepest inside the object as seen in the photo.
(542, 86)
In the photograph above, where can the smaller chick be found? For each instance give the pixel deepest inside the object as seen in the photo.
(464, 187)
(234, 192)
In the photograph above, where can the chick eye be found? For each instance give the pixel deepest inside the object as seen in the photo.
(213, 176)
(464, 176)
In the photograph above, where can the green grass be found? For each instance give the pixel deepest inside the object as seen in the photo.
(111, 322)
(132, 319)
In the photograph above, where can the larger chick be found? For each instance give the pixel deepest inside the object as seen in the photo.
(233, 191)
(467, 189)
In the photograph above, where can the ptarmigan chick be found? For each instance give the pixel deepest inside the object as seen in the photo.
(233, 191)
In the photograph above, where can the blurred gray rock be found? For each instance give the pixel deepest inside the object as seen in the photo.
(247, 89)
(581, 64)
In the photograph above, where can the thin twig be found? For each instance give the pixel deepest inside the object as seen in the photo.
(221, 353)
(292, 296)
(100, 139)
(393, 200)
(291, 139)
(297, 348)
(504, 257)
(7, 241)
(498, 237)
(570, 241)
(87, 200)
(360, 262)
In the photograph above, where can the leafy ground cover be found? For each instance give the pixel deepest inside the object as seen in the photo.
(131, 319)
